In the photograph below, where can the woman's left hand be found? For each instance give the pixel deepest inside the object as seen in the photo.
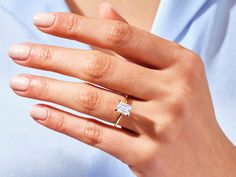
(172, 129)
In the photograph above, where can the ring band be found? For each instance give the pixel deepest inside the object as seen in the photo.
(124, 109)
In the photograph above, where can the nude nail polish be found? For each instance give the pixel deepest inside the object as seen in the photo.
(39, 113)
(44, 20)
(19, 52)
(19, 83)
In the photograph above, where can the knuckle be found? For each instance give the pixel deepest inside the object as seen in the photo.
(179, 104)
(174, 111)
(190, 68)
(176, 106)
(89, 100)
(98, 65)
(177, 51)
(70, 25)
(192, 62)
(44, 87)
(120, 34)
(92, 133)
(177, 109)
(60, 123)
(45, 55)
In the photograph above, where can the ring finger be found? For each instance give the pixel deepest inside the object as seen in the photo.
(81, 97)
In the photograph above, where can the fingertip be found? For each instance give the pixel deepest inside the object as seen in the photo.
(107, 11)
(39, 112)
(105, 5)
(19, 83)
(19, 52)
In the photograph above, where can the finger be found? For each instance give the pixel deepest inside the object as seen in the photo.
(80, 97)
(117, 142)
(93, 66)
(137, 45)
(106, 11)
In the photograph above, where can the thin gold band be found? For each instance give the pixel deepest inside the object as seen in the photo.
(119, 119)
(121, 114)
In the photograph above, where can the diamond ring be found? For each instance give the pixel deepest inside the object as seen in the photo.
(124, 109)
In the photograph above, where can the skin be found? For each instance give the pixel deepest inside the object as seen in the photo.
(135, 12)
(172, 130)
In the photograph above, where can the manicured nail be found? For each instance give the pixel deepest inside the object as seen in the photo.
(19, 83)
(19, 52)
(39, 113)
(44, 20)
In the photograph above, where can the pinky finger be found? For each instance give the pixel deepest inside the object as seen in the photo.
(117, 142)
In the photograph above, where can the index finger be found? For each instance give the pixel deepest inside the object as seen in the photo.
(137, 45)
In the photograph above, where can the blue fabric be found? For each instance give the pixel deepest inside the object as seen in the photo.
(27, 149)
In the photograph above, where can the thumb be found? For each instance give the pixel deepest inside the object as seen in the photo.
(106, 11)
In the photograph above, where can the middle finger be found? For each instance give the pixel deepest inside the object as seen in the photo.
(93, 66)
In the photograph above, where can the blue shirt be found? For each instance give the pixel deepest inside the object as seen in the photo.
(27, 149)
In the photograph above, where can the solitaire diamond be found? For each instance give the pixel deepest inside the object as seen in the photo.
(124, 108)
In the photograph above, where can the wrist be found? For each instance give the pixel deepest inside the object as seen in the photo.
(226, 158)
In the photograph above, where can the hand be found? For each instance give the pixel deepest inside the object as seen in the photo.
(172, 130)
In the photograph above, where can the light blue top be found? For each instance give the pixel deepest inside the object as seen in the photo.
(30, 150)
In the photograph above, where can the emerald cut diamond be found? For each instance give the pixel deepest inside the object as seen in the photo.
(124, 108)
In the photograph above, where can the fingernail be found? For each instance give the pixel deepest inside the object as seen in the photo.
(19, 83)
(19, 52)
(44, 19)
(39, 113)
